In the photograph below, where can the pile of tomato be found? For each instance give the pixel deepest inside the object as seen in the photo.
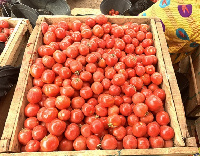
(5, 31)
(95, 86)
(113, 12)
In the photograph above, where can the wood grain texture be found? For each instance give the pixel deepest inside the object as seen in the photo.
(197, 124)
(179, 108)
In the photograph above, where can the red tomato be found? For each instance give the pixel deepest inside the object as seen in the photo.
(140, 109)
(118, 100)
(130, 32)
(113, 110)
(98, 31)
(59, 57)
(86, 130)
(86, 92)
(101, 19)
(156, 78)
(3, 37)
(160, 93)
(71, 51)
(153, 129)
(24, 136)
(143, 143)
(88, 110)
(66, 145)
(162, 118)
(90, 22)
(156, 142)
(49, 37)
(119, 132)
(76, 116)
(36, 70)
(127, 39)
(129, 130)
(97, 126)
(147, 118)
(130, 61)
(50, 102)
(120, 44)
(153, 102)
(150, 50)
(72, 131)
(31, 110)
(60, 33)
(147, 42)
(146, 92)
(140, 36)
(149, 69)
(48, 76)
(76, 36)
(169, 143)
(137, 82)
(4, 24)
(139, 129)
(114, 121)
(166, 132)
(130, 142)
(34, 95)
(93, 142)
(80, 143)
(149, 35)
(118, 32)
(132, 119)
(64, 114)
(65, 73)
(125, 109)
(57, 127)
(138, 98)
(111, 60)
(49, 114)
(31, 122)
(107, 100)
(50, 90)
(139, 50)
(32, 146)
(76, 25)
(101, 111)
(129, 48)
(109, 142)
(129, 90)
(118, 79)
(49, 143)
(77, 102)
(56, 68)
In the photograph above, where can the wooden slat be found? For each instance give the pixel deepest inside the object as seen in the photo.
(197, 124)
(169, 105)
(172, 81)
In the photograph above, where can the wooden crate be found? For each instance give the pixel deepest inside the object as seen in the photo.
(183, 143)
(193, 104)
(13, 55)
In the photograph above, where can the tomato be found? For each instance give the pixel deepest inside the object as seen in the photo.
(59, 57)
(129, 130)
(4, 24)
(130, 32)
(138, 98)
(90, 22)
(153, 129)
(131, 72)
(118, 32)
(127, 39)
(139, 129)
(88, 110)
(57, 127)
(55, 45)
(118, 79)
(77, 102)
(76, 25)
(31, 122)
(140, 35)
(119, 132)
(76, 116)
(97, 126)
(3, 37)
(147, 118)
(153, 102)
(32, 146)
(86, 130)
(137, 82)
(160, 93)
(31, 110)
(156, 78)
(56, 68)
(76, 36)
(130, 61)
(93, 45)
(66, 145)
(77, 83)
(143, 143)
(114, 121)
(72, 131)
(48, 76)
(139, 50)
(98, 31)
(111, 60)
(24, 136)
(97, 88)
(80, 143)
(156, 142)
(125, 109)
(130, 142)
(140, 109)
(118, 100)
(52, 28)
(120, 44)
(65, 73)
(166, 132)
(110, 43)
(86, 92)
(63, 24)
(100, 110)
(107, 100)
(153, 87)
(147, 60)
(127, 99)
(162, 118)
(147, 42)
(149, 35)
(149, 69)
(49, 114)
(108, 142)
(93, 142)
(34, 95)
(58, 81)
(36, 70)
(49, 143)
(169, 143)
(107, 28)
(49, 37)
(150, 50)
(71, 51)
(60, 33)
(101, 19)
(50, 102)
(146, 92)
(132, 119)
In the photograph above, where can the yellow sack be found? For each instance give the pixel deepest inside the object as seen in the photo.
(181, 24)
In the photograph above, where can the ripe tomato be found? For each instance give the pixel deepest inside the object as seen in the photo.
(86, 130)
(160, 93)
(150, 50)
(166, 132)
(77, 83)
(125, 109)
(97, 126)
(111, 60)
(153, 129)
(147, 118)
(32, 146)
(71, 51)
(118, 100)
(129, 130)
(59, 57)
(93, 142)
(4, 24)
(138, 98)
(127, 39)
(31, 110)
(97, 88)
(76, 116)
(132, 119)
(50, 102)
(49, 143)
(101, 111)
(130, 32)
(62, 102)
(118, 32)
(60, 33)
(48, 76)
(169, 143)
(101, 19)
(86, 92)
(76, 66)
(140, 36)
(76, 36)
(51, 90)
(57, 127)
(129, 90)
(72, 131)
(65, 73)
(120, 44)
(114, 121)
(77, 102)
(162, 118)
(143, 143)
(108, 142)
(98, 31)
(118, 79)
(139, 129)
(64, 114)
(80, 143)
(34, 95)
(107, 100)
(65, 145)
(137, 82)
(24, 136)
(146, 92)
(149, 35)
(36, 70)
(90, 22)
(130, 61)
(113, 110)
(156, 78)
(130, 142)
(49, 37)
(88, 110)
(76, 25)
(31, 122)
(153, 102)
(140, 109)
(156, 142)
(119, 132)
(149, 69)
(49, 114)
